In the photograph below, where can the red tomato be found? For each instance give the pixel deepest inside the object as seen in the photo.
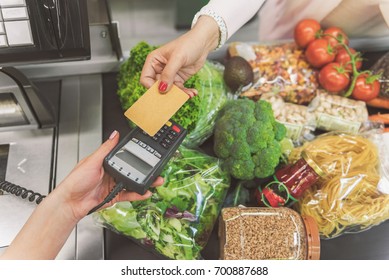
(334, 78)
(366, 88)
(319, 53)
(335, 35)
(343, 58)
(305, 32)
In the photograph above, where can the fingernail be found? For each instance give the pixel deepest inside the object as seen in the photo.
(162, 86)
(113, 134)
(192, 94)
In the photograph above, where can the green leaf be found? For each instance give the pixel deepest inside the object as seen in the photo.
(180, 203)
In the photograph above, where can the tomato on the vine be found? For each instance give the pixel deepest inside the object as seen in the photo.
(305, 32)
(319, 53)
(343, 58)
(334, 78)
(366, 87)
(334, 35)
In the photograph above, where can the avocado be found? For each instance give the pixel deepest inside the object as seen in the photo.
(237, 73)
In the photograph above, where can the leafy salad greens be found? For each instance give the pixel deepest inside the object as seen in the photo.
(197, 115)
(178, 218)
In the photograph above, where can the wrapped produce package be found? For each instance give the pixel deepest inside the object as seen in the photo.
(278, 68)
(177, 220)
(338, 113)
(382, 67)
(213, 94)
(198, 114)
(354, 194)
(300, 123)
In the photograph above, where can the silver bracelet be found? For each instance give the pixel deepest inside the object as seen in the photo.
(220, 22)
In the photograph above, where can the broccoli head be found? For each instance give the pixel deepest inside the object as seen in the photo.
(279, 131)
(247, 138)
(266, 160)
(264, 112)
(242, 169)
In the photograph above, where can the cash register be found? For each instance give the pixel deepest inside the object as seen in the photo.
(43, 31)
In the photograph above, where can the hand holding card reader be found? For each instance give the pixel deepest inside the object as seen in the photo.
(139, 158)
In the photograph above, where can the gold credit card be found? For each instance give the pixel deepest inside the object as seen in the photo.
(153, 109)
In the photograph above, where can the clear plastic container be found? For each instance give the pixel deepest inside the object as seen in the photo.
(280, 68)
(261, 233)
(299, 122)
(338, 113)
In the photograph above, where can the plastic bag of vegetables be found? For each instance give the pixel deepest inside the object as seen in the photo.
(177, 220)
(198, 114)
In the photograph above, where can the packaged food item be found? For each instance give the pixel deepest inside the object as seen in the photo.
(298, 120)
(290, 182)
(382, 67)
(279, 68)
(260, 233)
(354, 194)
(337, 113)
(177, 220)
(213, 94)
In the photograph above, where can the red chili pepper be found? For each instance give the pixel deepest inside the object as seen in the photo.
(273, 199)
(280, 199)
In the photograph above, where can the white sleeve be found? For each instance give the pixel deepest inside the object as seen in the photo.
(235, 13)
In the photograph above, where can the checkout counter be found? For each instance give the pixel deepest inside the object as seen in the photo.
(80, 97)
(50, 106)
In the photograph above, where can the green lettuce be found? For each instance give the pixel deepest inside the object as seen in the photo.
(198, 114)
(178, 218)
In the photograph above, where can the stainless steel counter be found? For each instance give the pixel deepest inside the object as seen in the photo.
(42, 158)
(28, 167)
(79, 134)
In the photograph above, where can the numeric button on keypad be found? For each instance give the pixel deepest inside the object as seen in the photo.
(170, 136)
(172, 132)
(167, 141)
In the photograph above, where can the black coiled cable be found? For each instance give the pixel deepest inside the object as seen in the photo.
(22, 192)
(31, 196)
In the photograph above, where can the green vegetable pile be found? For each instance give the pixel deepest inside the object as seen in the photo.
(198, 114)
(247, 137)
(178, 218)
